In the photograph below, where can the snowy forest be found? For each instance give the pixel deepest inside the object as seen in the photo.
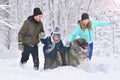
(63, 13)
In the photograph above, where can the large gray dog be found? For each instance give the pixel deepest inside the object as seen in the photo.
(77, 53)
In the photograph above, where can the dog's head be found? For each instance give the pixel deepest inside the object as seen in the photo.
(81, 47)
(78, 52)
(82, 43)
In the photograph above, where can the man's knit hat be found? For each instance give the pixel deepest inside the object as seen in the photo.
(37, 11)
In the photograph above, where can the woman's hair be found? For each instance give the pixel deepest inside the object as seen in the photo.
(89, 26)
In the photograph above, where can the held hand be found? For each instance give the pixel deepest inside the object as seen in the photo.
(42, 35)
(67, 44)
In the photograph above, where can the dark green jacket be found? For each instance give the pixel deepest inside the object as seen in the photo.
(29, 33)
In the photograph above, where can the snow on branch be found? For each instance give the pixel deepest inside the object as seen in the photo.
(5, 5)
(7, 24)
(4, 8)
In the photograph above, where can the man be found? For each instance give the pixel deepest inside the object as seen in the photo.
(28, 37)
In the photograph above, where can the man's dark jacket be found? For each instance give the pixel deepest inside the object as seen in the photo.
(29, 33)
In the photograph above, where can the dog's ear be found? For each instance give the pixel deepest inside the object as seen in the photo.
(82, 41)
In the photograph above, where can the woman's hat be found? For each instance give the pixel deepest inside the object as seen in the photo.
(84, 16)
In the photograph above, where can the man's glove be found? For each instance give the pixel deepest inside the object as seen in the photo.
(42, 35)
(20, 46)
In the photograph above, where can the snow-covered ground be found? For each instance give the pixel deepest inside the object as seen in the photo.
(101, 68)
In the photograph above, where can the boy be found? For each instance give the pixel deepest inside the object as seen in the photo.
(53, 46)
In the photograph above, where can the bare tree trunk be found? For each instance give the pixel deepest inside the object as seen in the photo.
(7, 29)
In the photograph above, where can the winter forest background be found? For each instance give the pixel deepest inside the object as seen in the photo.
(63, 13)
(105, 64)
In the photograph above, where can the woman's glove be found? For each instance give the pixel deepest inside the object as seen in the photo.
(67, 44)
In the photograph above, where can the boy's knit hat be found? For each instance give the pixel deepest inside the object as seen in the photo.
(56, 32)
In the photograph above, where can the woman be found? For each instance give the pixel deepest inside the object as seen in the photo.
(85, 29)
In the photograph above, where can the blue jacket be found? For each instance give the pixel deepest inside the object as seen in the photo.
(58, 46)
(88, 35)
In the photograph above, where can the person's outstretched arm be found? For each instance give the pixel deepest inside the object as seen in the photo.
(100, 23)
